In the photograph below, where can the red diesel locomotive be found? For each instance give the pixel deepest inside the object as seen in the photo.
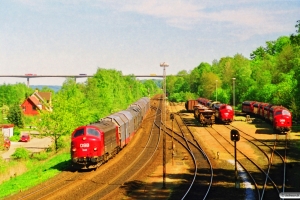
(223, 112)
(279, 116)
(92, 145)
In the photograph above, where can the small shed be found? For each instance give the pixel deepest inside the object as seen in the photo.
(7, 130)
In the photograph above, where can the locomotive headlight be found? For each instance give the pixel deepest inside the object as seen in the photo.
(95, 149)
(73, 149)
(84, 138)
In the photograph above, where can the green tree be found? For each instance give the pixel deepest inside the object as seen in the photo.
(284, 90)
(70, 110)
(196, 75)
(15, 116)
(152, 87)
(14, 94)
(208, 84)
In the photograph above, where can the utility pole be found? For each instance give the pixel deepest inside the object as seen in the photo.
(164, 65)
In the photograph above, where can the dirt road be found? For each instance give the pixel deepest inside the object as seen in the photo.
(34, 145)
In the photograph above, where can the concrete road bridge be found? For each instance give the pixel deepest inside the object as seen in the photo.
(29, 76)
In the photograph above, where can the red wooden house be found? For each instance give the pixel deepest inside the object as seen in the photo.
(37, 102)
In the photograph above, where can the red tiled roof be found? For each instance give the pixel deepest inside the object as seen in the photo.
(34, 100)
(45, 95)
(6, 125)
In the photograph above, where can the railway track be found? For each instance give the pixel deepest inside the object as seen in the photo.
(228, 147)
(131, 170)
(201, 180)
(264, 168)
(267, 178)
(276, 154)
(96, 184)
(257, 165)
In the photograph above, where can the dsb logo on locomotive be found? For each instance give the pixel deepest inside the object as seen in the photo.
(85, 145)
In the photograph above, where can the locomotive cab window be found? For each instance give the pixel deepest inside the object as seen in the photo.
(78, 133)
(228, 107)
(285, 112)
(93, 132)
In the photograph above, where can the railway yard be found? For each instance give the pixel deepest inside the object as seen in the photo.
(191, 162)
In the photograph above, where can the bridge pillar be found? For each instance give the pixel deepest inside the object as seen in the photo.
(27, 81)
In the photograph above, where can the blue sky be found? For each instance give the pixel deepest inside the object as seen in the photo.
(78, 36)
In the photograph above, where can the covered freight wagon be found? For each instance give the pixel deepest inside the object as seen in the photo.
(189, 105)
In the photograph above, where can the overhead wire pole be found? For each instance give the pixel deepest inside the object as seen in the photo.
(233, 85)
(216, 90)
(164, 65)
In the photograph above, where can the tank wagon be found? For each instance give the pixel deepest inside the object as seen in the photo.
(278, 116)
(94, 144)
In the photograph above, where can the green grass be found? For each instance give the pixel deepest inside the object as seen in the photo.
(35, 175)
(6, 165)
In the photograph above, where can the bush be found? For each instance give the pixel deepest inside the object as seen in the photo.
(41, 156)
(17, 131)
(14, 138)
(21, 153)
(63, 142)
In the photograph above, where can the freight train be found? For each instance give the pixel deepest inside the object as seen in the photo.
(215, 111)
(94, 144)
(205, 115)
(279, 116)
(224, 112)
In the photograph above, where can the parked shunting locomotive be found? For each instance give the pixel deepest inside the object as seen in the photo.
(207, 112)
(279, 116)
(223, 112)
(94, 144)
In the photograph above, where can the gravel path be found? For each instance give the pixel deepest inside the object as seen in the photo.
(34, 145)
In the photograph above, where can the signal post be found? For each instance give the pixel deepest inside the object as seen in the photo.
(235, 137)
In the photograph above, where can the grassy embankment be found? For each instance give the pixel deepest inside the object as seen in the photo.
(32, 172)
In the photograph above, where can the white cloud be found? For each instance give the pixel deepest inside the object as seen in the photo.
(257, 17)
(76, 36)
(252, 14)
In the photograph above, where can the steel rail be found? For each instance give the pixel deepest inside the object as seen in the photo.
(128, 168)
(198, 146)
(273, 150)
(252, 178)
